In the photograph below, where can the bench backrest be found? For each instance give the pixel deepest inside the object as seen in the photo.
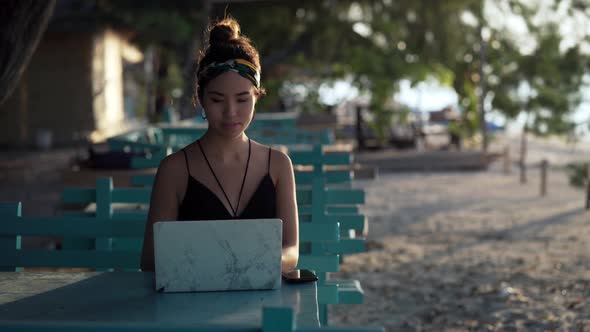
(316, 225)
(315, 202)
(13, 227)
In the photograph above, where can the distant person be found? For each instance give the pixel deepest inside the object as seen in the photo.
(224, 174)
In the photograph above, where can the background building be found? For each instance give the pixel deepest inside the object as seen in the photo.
(73, 86)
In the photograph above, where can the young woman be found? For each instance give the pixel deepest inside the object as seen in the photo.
(225, 174)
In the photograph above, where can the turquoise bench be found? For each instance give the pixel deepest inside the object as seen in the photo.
(116, 241)
(313, 204)
(105, 230)
(155, 139)
(311, 161)
(268, 128)
(180, 136)
(13, 226)
(321, 243)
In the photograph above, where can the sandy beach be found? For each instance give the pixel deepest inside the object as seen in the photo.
(475, 251)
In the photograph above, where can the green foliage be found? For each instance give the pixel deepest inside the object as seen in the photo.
(376, 43)
(553, 76)
(170, 23)
(420, 39)
(577, 174)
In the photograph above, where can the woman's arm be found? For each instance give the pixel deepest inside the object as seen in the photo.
(287, 209)
(164, 204)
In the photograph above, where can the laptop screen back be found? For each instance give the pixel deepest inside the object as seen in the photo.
(216, 255)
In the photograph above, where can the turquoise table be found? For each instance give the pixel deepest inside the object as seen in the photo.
(126, 301)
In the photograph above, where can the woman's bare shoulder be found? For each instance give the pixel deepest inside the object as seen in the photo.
(280, 157)
(278, 153)
(172, 165)
(281, 164)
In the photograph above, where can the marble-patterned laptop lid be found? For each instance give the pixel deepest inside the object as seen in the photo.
(217, 255)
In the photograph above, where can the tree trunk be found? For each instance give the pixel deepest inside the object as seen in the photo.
(482, 95)
(188, 103)
(150, 66)
(22, 23)
(23, 112)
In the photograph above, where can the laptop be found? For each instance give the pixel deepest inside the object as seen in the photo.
(218, 255)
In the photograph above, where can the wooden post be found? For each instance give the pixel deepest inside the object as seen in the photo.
(506, 160)
(588, 187)
(523, 150)
(544, 164)
(522, 172)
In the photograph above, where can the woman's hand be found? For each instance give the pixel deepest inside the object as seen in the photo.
(289, 258)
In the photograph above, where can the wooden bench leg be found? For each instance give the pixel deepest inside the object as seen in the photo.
(323, 314)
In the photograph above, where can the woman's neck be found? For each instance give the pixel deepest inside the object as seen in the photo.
(223, 149)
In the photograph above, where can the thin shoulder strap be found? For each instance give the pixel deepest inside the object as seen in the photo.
(235, 211)
(268, 167)
(186, 159)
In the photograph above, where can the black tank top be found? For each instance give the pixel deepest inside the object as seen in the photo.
(200, 203)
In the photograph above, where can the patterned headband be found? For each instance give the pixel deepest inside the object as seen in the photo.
(240, 66)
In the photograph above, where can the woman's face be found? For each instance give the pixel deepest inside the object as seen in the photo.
(228, 101)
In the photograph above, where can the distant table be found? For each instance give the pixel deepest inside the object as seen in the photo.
(112, 300)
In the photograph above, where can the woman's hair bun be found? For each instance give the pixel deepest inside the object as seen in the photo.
(224, 31)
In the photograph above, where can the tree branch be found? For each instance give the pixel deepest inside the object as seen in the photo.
(22, 23)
